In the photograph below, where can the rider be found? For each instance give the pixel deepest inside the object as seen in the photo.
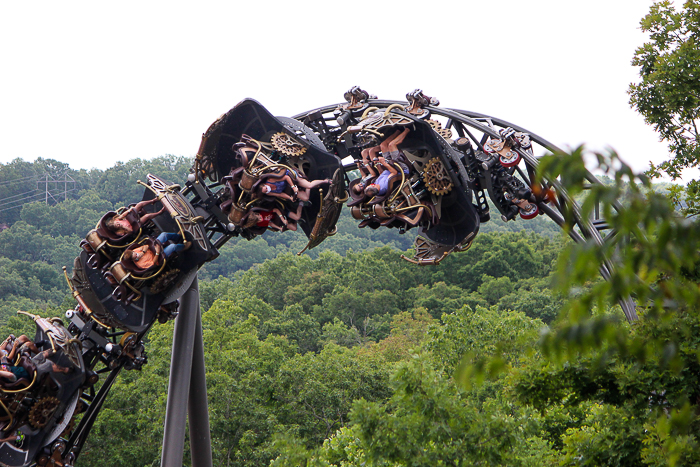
(275, 185)
(144, 257)
(366, 169)
(134, 217)
(11, 373)
(11, 346)
(390, 150)
(265, 218)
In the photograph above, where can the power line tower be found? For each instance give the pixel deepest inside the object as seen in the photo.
(56, 185)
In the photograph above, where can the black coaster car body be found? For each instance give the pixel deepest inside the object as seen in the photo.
(250, 118)
(458, 216)
(456, 221)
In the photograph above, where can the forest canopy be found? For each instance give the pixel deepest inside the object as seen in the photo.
(351, 356)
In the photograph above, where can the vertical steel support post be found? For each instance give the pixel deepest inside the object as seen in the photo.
(197, 407)
(187, 378)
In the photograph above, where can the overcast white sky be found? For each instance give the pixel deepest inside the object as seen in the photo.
(93, 83)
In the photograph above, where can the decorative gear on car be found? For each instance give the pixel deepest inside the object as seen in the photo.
(42, 410)
(436, 178)
(287, 145)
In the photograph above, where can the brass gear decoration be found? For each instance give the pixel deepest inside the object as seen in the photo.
(42, 410)
(436, 178)
(69, 428)
(437, 127)
(287, 145)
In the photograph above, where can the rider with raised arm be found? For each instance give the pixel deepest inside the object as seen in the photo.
(275, 185)
(131, 219)
(389, 147)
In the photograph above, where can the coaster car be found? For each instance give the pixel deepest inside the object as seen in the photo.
(499, 160)
(408, 180)
(127, 272)
(274, 171)
(37, 408)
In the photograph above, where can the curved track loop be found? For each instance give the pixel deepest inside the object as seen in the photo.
(478, 127)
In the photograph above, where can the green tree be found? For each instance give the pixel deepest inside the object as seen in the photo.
(71, 217)
(316, 391)
(408, 333)
(533, 297)
(238, 255)
(493, 289)
(295, 325)
(17, 182)
(668, 95)
(428, 421)
(119, 186)
(441, 298)
(632, 387)
(338, 333)
(481, 333)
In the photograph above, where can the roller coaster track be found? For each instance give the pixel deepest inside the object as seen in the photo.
(463, 122)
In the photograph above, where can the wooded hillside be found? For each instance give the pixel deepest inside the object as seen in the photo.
(350, 356)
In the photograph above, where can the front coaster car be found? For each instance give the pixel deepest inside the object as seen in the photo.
(160, 244)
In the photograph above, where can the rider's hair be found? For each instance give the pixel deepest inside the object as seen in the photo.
(110, 223)
(252, 219)
(372, 190)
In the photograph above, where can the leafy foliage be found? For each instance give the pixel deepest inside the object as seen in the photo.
(655, 249)
(668, 95)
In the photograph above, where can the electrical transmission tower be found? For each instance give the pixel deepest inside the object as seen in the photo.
(56, 184)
